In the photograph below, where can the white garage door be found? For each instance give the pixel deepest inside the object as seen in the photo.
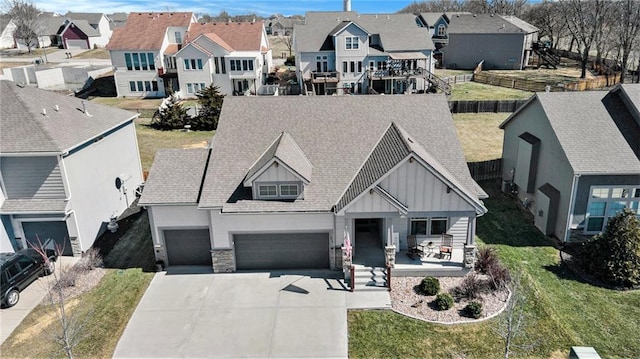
(77, 44)
(282, 251)
(188, 247)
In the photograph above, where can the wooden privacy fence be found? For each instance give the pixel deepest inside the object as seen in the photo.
(485, 106)
(538, 86)
(458, 79)
(485, 170)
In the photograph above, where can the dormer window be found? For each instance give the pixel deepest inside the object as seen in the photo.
(441, 30)
(351, 43)
(270, 190)
(289, 190)
(278, 191)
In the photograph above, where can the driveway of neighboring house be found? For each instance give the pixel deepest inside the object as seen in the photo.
(200, 314)
(10, 318)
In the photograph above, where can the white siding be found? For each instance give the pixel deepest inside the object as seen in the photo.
(371, 202)
(122, 76)
(458, 227)
(276, 174)
(91, 174)
(174, 217)
(192, 76)
(32, 177)
(421, 191)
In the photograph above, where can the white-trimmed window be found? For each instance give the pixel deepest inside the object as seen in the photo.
(441, 30)
(351, 43)
(434, 226)
(607, 202)
(267, 190)
(288, 190)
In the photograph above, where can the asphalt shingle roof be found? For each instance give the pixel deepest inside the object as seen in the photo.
(336, 134)
(481, 24)
(398, 32)
(33, 206)
(175, 177)
(90, 17)
(146, 31)
(240, 36)
(285, 149)
(86, 28)
(589, 136)
(24, 128)
(431, 17)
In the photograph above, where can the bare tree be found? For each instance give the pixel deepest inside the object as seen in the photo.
(287, 41)
(545, 17)
(584, 19)
(26, 16)
(511, 326)
(626, 23)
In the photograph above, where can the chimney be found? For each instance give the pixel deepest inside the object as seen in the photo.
(347, 5)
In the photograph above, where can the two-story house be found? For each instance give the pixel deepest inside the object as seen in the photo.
(141, 53)
(234, 56)
(85, 31)
(348, 53)
(66, 168)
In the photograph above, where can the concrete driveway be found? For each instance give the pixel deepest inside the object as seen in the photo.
(257, 315)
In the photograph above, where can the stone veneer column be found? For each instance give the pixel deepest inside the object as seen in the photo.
(75, 247)
(390, 256)
(469, 256)
(223, 260)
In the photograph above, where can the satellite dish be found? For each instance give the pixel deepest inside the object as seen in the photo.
(118, 183)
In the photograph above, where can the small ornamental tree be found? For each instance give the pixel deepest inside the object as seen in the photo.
(210, 101)
(171, 116)
(615, 253)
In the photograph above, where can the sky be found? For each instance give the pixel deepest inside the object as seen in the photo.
(213, 7)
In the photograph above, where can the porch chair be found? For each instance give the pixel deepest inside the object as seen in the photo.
(414, 249)
(446, 245)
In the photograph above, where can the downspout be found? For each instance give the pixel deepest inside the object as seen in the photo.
(572, 203)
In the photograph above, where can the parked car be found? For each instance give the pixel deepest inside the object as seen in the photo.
(18, 270)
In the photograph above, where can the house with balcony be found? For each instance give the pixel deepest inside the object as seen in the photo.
(350, 53)
(67, 167)
(142, 53)
(236, 57)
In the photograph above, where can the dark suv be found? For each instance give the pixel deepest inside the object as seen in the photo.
(20, 269)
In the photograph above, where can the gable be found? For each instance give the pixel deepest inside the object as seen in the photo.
(276, 172)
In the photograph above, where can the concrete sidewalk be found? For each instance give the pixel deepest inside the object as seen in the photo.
(33, 295)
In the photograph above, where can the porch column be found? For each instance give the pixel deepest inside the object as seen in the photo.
(469, 255)
(471, 231)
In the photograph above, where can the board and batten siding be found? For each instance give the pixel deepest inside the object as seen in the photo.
(458, 227)
(276, 174)
(421, 191)
(32, 177)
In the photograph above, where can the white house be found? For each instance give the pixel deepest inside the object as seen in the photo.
(286, 178)
(234, 56)
(67, 167)
(346, 52)
(85, 30)
(139, 53)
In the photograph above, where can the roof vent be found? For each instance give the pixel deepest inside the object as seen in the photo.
(503, 26)
(57, 108)
(388, 17)
(44, 112)
(84, 108)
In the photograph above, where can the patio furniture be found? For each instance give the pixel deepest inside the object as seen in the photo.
(446, 245)
(414, 249)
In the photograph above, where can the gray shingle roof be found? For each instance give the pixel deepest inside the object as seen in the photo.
(525, 26)
(431, 17)
(85, 27)
(32, 206)
(633, 93)
(398, 32)
(23, 127)
(481, 24)
(337, 135)
(285, 149)
(90, 17)
(586, 131)
(175, 177)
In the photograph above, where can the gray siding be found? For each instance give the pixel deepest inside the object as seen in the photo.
(584, 186)
(553, 166)
(499, 51)
(32, 177)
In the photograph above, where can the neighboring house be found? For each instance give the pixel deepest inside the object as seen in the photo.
(85, 31)
(287, 177)
(574, 158)
(48, 26)
(502, 42)
(438, 23)
(7, 28)
(282, 26)
(234, 56)
(349, 53)
(66, 167)
(117, 19)
(141, 53)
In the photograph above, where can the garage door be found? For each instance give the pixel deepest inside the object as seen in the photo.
(56, 230)
(282, 251)
(188, 247)
(77, 44)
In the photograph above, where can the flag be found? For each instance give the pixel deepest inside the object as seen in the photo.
(347, 243)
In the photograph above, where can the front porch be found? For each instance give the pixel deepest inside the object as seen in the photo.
(431, 264)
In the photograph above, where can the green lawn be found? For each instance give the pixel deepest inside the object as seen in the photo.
(562, 310)
(129, 103)
(479, 134)
(107, 308)
(151, 140)
(476, 92)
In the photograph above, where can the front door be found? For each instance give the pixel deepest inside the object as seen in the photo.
(369, 250)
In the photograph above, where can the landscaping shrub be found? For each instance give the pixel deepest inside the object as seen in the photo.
(473, 310)
(487, 257)
(172, 116)
(444, 301)
(91, 260)
(210, 100)
(470, 288)
(430, 286)
(67, 278)
(614, 255)
(499, 276)
(290, 61)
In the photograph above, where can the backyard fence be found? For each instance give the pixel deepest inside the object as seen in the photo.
(485, 170)
(538, 86)
(458, 79)
(485, 106)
